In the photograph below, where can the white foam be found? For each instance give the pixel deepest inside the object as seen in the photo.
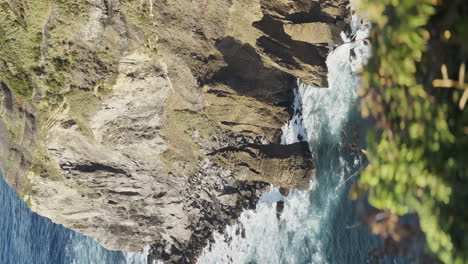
(320, 114)
(138, 257)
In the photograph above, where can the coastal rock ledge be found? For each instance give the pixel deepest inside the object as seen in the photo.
(156, 122)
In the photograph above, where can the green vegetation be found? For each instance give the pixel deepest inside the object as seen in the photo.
(184, 152)
(28, 202)
(43, 166)
(419, 157)
(80, 225)
(41, 46)
(20, 43)
(82, 105)
(39, 50)
(26, 191)
(180, 130)
(140, 14)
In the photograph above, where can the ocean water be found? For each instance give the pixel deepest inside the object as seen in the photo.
(320, 225)
(317, 226)
(28, 238)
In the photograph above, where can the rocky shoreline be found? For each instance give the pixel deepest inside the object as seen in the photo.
(156, 122)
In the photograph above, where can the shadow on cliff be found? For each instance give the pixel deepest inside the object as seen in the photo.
(247, 74)
(283, 50)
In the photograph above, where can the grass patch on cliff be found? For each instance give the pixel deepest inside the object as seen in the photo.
(26, 191)
(139, 14)
(22, 36)
(184, 152)
(81, 225)
(28, 202)
(26, 188)
(184, 131)
(15, 126)
(83, 105)
(22, 184)
(20, 43)
(43, 166)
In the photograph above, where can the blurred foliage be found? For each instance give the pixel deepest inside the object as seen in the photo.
(418, 156)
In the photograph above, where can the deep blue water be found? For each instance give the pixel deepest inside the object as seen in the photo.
(317, 226)
(28, 238)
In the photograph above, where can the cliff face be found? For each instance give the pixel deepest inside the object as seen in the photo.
(155, 122)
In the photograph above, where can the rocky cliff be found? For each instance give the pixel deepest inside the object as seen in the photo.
(156, 122)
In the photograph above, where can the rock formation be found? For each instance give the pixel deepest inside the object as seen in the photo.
(288, 166)
(155, 122)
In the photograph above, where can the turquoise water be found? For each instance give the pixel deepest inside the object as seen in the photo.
(317, 226)
(320, 225)
(28, 238)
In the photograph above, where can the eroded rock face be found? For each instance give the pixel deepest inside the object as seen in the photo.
(315, 32)
(158, 122)
(289, 166)
(244, 115)
(295, 51)
(116, 167)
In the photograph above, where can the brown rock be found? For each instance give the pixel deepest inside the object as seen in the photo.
(292, 50)
(131, 99)
(288, 166)
(314, 33)
(244, 115)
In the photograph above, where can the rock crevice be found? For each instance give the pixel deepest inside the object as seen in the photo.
(156, 122)
(289, 166)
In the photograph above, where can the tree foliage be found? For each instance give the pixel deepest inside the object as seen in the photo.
(418, 156)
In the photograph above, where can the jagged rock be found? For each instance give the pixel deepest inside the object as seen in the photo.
(303, 11)
(244, 115)
(288, 166)
(107, 124)
(279, 209)
(303, 59)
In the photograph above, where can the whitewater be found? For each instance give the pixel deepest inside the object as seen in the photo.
(320, 225)
(316, 226)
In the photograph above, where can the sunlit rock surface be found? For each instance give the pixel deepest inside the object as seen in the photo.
(111, 130)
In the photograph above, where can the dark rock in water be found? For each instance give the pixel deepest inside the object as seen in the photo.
(131, 112)
(279, 209)
(352, 54)
(214, 198)
(284, 191)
